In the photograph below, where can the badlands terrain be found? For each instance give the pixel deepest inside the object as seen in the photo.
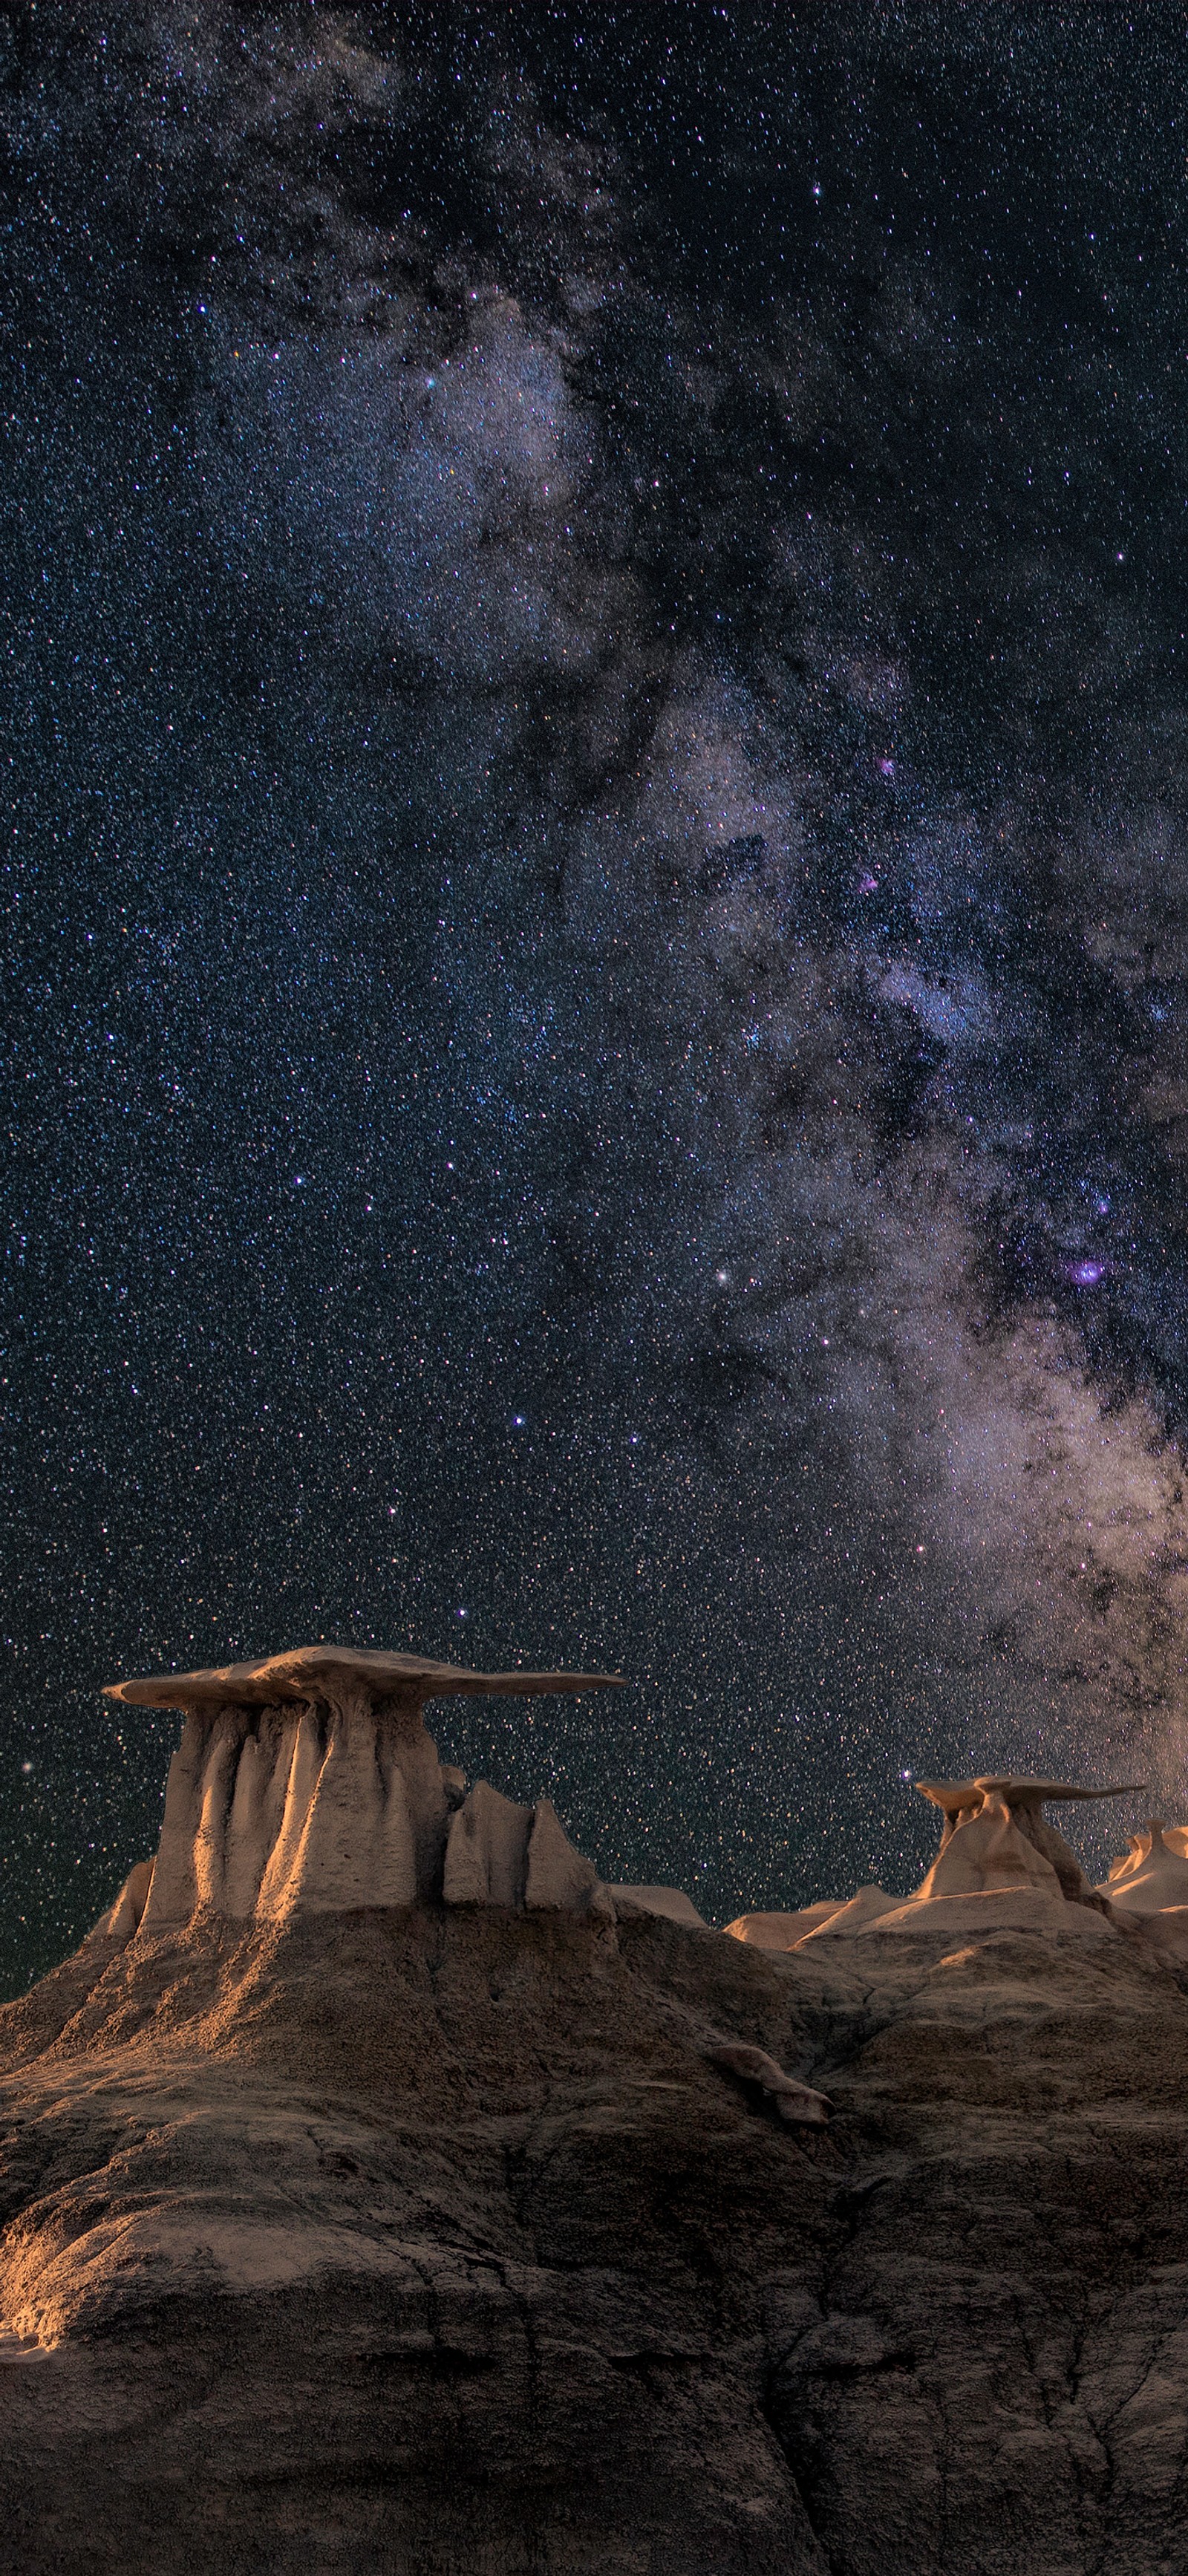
(520, 2226)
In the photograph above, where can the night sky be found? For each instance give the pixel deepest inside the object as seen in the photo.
(596, 869)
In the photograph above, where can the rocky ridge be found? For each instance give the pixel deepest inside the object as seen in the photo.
(471, 2235)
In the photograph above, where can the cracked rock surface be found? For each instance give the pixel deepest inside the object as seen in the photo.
(437, 2241)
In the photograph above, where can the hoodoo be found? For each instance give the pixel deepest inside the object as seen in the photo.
(1152, 1877)
(308, 1781)
(998, 1856)
(996, 1835)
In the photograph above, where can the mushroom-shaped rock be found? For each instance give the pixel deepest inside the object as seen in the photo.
(307, 1781)
(999, 1862)
(329, 1672)
(996, 1836)
(1153, 1876)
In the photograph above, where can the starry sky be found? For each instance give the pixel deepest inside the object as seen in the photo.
(596, 890)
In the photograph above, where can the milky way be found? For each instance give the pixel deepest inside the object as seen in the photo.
(598, 903)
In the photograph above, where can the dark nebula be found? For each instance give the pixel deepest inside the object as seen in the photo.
(597, 877)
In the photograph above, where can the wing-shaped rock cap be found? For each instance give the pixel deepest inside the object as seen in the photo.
(954, 1796)
(996, 1836)
(997, 1851)
(305, 1672)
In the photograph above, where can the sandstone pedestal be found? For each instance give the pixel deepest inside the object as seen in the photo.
(996, 1835)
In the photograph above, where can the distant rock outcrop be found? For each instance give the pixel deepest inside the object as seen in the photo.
(996, 1835)
(784, 1931)
(1152, 1876)
(671, 1902)
(1000, 1863)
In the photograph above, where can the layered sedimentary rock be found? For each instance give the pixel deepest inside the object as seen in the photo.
(308, 1781)
(469, 2237)
(455, 2211)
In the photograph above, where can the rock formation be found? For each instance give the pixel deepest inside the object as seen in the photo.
(996, 1835)
(671, 1902)
(796, 2103)
(785, 1931)
(308, 1782)
(832, 1914)
(1152, 1876)
(1000, 1862)
(527, 2226)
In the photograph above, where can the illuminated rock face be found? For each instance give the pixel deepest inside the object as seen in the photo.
(335, 1804)
(791, 1931)
(1152, 1876)
(308, 1783)
(986, 1846)
(498, 1853)
(996, 1837)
